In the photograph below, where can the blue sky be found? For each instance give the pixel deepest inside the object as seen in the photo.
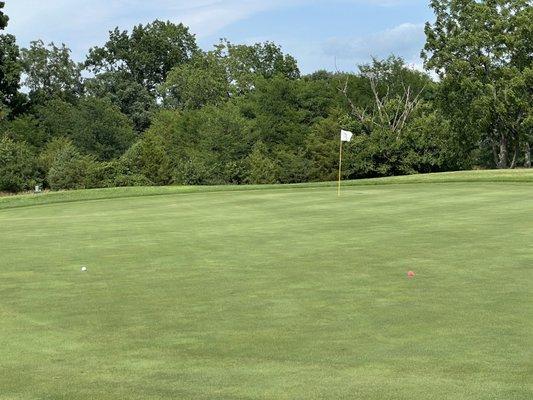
(319, 33)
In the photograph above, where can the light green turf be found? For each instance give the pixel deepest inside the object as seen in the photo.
(279, 293)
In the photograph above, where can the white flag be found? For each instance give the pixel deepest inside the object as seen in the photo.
(346, 136)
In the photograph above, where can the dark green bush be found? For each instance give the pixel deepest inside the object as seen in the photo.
(18, 169)
(72, 170)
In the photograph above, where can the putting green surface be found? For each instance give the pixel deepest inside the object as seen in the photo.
(279, 293)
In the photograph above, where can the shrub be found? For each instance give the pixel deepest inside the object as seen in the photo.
(71, 170)
(50, 153)
(18, 170)
(261, 167)
(148, 157)
(197, 169)
(132, 180)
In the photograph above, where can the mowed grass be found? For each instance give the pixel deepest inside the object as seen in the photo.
(279, 293)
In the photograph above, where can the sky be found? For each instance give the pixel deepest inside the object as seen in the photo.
(321, 34)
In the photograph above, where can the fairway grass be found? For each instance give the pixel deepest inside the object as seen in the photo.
(276, 292)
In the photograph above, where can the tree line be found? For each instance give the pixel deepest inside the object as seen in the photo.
(149, 107)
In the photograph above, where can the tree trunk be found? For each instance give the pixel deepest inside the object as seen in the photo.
(515, 156)
(494, 146)
(527, 156)
(503, 156)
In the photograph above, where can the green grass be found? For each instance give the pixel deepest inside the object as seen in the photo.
(516, 175)
(277, 292)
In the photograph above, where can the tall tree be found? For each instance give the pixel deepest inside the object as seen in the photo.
(50, 72)
(396, 92)
(482, 51)
(147, 54)
(277, 112)
(397, 131)
(245, 63)
(10, 71)
(4, 19)
(202, 81)
(132, 98)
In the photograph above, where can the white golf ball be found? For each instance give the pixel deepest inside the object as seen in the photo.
(83, 269)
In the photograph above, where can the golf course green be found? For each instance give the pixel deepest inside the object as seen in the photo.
(274, 292)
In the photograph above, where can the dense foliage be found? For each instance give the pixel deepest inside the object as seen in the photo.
(483, 53)
(151, 108)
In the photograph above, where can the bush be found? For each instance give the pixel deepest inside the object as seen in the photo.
(103, 174)
(293, 167)
(148, 157)
(262, 168)
(71, 170)
(132, 180)
(18, 170)
(197, 169)
(50, 153)
(322, 150)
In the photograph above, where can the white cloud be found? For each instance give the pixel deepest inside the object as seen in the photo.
(205, 17)
(85, 23)
(404, 40)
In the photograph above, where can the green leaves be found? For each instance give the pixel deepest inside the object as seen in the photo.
(71, 169)
(17, 166)
(95, 126)
(4, 19)
(132, 98)
(10, 69)
(245, 63)
(150, 107)
(148, 53)
(203, 81)
(481, 50)
(50, 72)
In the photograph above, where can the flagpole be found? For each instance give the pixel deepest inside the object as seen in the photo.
(340, 169)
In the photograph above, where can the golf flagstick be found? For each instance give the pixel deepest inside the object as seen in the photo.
(346, 136)
(340, 169)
